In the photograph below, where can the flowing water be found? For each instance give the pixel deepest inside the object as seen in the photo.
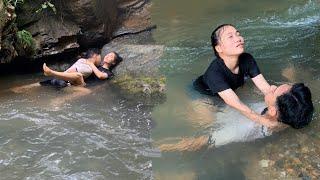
(107, 134)
(283, 36)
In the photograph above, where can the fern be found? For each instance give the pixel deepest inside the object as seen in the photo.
(25, 39)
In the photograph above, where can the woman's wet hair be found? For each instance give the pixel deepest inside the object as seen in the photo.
(89, 53)
(295, 107)
(215, 37)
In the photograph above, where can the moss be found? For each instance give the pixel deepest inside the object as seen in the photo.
(146, 85)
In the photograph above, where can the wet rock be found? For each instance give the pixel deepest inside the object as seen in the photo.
(296, 155)
(138, 85)
(138, 60)
(7, 33)
(304, 176)
(264, 163)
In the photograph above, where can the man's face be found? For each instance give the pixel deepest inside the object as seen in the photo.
(97, 60)
(271, 97)
(230, 42)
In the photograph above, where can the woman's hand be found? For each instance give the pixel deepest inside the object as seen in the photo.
(230, 98)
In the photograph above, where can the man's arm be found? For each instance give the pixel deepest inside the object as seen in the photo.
(230, 98)
(97, 72)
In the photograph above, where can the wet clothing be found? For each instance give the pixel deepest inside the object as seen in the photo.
(58, 83)
(218, 76)
(82, 67)
(94, 78)
(231, 126)
(107, 71)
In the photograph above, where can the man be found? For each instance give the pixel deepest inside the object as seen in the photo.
(286, 106)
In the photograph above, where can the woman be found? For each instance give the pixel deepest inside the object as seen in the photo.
(84, 67)
(286, 106)
(230, 69)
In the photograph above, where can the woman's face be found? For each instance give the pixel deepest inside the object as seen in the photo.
(230, 43)
(110, 58)
(271, 97)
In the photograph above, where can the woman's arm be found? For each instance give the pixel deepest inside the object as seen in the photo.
(97, 72)
(262, 84)
(230, 98)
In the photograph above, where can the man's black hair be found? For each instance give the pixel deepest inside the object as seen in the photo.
(89, 53)
(295, 107)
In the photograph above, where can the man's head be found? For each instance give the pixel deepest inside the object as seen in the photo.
(290, 105)
(92, 55)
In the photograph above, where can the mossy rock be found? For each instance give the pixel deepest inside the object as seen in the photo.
(141, 85)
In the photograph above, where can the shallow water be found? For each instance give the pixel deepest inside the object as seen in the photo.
(102, 135)
(283, 36)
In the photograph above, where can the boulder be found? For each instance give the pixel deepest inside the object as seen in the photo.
(83, 23)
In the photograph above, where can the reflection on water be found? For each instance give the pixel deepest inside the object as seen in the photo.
(283, 36)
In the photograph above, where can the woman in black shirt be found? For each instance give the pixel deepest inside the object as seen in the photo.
(230, 69)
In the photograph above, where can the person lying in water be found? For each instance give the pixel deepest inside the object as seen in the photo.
(83, 68)
(229, 70)
(286, 106)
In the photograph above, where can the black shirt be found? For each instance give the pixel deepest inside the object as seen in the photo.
(218, 76)
(93, 77)
(107, 71)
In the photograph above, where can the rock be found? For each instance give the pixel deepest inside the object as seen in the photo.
(78, 23)
(135, 17)
(283, 174)
(138, 60)
(7, 33)
(264, 163)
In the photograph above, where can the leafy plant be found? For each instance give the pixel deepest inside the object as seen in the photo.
(45, 5)
(24, 38)
(13, 2)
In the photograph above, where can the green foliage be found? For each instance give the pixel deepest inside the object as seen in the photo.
(46, 5)
(14, 3)
(25, 40)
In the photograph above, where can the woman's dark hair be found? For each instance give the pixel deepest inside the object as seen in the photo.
(295, 107)
(215, 36)
(89, 53)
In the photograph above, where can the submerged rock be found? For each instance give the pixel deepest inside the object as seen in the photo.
(295, 156)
